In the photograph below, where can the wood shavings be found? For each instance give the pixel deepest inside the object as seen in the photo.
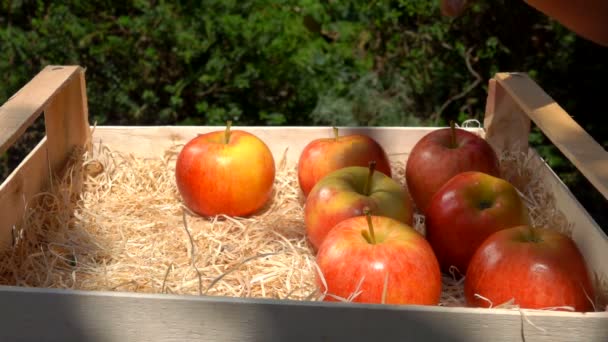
(127, 230)
(520, 169)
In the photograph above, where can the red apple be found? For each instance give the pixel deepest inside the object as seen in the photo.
(465, 211)
(344, 193)
(322, 156)
(442, 154)
(537, 268)
(225, 172)
(376, 259)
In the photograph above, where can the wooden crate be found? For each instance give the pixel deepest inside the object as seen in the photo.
(56, 314)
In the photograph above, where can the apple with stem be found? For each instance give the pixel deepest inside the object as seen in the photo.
(325, 155)
(465, 211)
(537, 268)
(345, 192)
(228, 172)
(377, 259)
(442, 154)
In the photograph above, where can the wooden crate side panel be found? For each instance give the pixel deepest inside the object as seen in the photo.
(506, 125)
(589, 237)
(571, 139)
(151, 142)
(19, 188)
(66, 122)
(60, 92)
(20, 111)
(55, 315)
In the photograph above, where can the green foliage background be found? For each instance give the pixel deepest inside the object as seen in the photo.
(302, 62)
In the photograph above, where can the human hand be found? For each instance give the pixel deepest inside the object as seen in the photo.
(587, 18)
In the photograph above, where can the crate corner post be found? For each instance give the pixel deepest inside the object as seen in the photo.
(60, 93)
(506, 125)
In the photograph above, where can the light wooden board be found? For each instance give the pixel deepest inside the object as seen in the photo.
(571, 139)
(589, 237)
(19, 188)
(60, 92)
(151, 142)
(66, 122)
(55, 315)
(20, 111)
(506, 125)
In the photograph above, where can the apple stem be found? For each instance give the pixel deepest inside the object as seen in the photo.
(534, 234)
(371, 236)
(227, 133)
(370, 175)
(336, 135)
(453, 133)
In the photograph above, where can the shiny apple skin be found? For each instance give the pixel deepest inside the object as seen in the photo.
(432, 162)
(340, 195)
(537, 275)
(455, 223)
(234, 179)
(346, 257)
(323, 156)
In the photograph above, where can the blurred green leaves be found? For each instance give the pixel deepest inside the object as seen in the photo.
(268, 62)
(291, 62)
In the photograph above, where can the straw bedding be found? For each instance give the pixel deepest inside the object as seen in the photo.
(127, 230)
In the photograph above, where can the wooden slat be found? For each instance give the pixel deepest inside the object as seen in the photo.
(20, 111)
(59, 92)
(151, 142)
(23, 183)
(590, 239)
(569, 137)
(66, 121)
(506, 125)
(63, 315)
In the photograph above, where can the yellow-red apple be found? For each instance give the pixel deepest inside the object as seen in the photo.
(227, 172)
(344, 193)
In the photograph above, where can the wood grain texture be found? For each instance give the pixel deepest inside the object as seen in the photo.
(571, 139)
(151, 142)
(506, 125)
(60, 92)
(22, 184)
(589, 237)
(63, 315)
(20, 111)
(66, 122)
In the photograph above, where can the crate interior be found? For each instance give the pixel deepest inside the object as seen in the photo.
(127, 230)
